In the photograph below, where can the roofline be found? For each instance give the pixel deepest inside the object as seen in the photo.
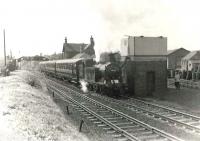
(177, 50)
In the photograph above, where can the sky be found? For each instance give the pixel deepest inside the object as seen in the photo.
(40, 26)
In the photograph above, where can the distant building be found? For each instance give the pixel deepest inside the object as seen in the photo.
(191, 61)
(174, 58)
(72, 49)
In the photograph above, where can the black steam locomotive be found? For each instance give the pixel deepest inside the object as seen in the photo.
(103, 78)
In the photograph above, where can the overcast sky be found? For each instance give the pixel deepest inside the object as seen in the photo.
(40, 26)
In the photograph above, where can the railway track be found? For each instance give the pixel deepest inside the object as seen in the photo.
(175, 117)
(121, 126)
(178, 118)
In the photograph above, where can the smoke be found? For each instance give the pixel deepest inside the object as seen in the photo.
(84, 86)
(128, 17)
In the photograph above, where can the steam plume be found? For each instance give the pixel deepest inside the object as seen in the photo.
(84, 86)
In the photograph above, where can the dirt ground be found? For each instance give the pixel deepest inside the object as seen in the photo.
(185, 99)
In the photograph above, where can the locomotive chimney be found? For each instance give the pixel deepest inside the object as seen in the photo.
(112, 57)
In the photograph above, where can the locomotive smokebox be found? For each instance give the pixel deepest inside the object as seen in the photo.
(114, 57)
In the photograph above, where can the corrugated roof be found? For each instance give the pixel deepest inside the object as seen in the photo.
(174, 50)
(194, 55)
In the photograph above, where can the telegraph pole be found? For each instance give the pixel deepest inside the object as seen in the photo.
(4, 46)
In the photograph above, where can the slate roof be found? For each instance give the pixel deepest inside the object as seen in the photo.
(174, 50)
(69, 47)
(171, 51)
(194, 55)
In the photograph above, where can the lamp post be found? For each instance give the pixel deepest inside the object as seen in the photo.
(4, 46)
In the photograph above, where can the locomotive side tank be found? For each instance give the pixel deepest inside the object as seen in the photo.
(105, 77)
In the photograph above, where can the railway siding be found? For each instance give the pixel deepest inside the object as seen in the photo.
(155, 133)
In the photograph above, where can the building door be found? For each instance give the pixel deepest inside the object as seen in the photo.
(150, 82)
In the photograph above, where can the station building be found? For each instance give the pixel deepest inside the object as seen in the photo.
(75, 50)
(145, 71)
(191, 62)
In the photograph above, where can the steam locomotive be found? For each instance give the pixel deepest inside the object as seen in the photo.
(102, 78)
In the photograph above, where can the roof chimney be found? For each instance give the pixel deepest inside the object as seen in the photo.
(91, 40)
(65, 39)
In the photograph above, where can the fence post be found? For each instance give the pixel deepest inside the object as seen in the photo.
(81, 124)
(67, 110)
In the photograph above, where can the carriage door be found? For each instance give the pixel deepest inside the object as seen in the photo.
(150, 82)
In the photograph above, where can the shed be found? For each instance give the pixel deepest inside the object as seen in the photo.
(174, 58)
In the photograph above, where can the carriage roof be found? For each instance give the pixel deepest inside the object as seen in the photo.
(68, 61)
(47, 62)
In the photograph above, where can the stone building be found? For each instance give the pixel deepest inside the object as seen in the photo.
(145, 71)
(72, 49)
(174, 58)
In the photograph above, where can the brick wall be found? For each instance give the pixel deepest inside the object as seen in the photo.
(137, 73)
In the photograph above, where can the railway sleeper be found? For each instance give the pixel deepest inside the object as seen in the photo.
(111, 118)
(90, 117)
(159, 138)
(117, 135)
(147, 137)
(136, 129)
(101, 125)
(193, 123)
(170, 115)
(97, 122)
(107, 116)
(111, 131)
(86, 114)
(185, 120)
(81, 110)
(177, 118)
(122, 139)
(197, 124)
(114, 121)
(103, 111)
(107, 128)
(147, 132)
(163, 113)
(124, 123)
(93, 119)
(129, 127)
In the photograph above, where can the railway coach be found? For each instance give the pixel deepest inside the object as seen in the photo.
(102, 78)
(69, 69)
